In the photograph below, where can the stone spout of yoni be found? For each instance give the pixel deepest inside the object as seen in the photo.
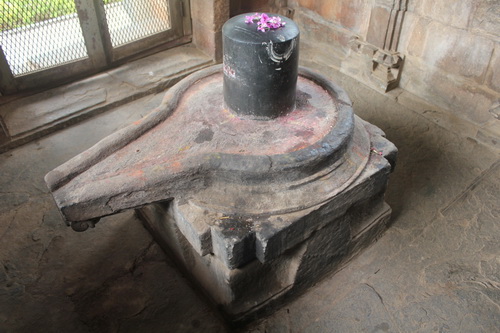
(193, 148)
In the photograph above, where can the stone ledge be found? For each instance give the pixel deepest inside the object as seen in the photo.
(28, 118)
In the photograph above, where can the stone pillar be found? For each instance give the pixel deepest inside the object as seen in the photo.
(208, 17)
(376, 60)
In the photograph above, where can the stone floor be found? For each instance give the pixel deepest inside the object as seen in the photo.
(437, 268)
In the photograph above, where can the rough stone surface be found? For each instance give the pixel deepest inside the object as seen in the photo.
(207, 20)
(207, 41)
(42, 109)
(449, 49)
(321, 30)
(379, 26)
(237, 239)
(467, 100)
(486, 17)
(449, 12)
(212, 14)
(436, 267)
(493, 78)
(134, 167)
(255, 6)
(257, 288)
(414, 35)
(349, 14)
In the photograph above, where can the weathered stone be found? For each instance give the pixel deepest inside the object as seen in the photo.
(293, 249)
(440, 116)
(210, 167)
(493, 76)
(233, 241)
(315, 29)
(284, 191)
(210, 13)
(41, 109)
(412, 36)
(207, 20)
(348, 14)
(378, 68)
(386, 3)
(449, 12)
(309, 4)
(192, 225)
(245, 292)
(465, 100)
(486, 17)
(450, 49)
(436, 167)
(254, 6)
(207, 41)
(379, 25)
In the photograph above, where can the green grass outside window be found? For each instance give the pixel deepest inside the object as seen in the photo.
(18, 13)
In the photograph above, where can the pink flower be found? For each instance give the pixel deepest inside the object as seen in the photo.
(252, 18)
(274, 22)
(264, 22)
(263, 27)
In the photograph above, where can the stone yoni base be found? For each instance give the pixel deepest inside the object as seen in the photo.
(249, 267)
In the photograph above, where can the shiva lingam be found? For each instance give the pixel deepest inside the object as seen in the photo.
(254, 174)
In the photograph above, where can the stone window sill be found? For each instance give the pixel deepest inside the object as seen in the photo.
(24, 119)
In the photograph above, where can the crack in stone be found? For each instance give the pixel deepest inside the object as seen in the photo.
(463, 196)
(16, 211)
(393, 322)
(141, 257)
(376, 292)
(122, 81)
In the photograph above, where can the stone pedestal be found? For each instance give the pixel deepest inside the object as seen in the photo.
(249, 265)
(255, 203)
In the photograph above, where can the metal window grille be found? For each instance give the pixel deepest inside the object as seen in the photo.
(40, 34)
(131, 20)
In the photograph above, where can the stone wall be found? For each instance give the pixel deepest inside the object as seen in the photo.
(270, 6)
(446, 53)
(208, 17)
(452, 51)
(242, 6)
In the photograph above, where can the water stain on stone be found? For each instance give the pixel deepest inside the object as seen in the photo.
(205, 135)
(302, 100)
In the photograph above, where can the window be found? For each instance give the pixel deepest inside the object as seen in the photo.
(42, 41)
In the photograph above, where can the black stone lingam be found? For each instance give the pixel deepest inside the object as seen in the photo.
(260, 66)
